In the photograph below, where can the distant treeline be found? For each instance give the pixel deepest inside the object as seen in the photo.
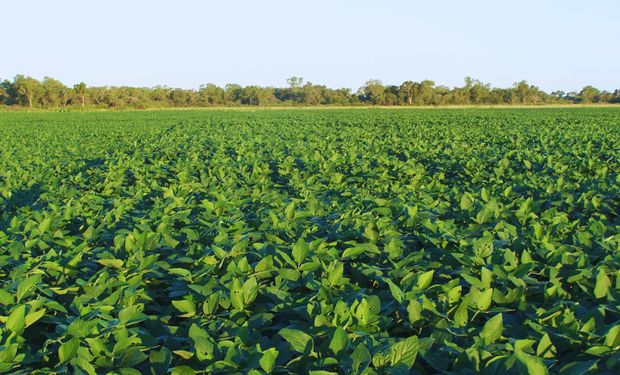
(50, 93)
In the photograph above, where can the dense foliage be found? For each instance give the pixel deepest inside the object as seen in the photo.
(28, 92)
(349, 241)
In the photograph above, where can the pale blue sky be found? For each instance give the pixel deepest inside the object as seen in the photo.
(183, 43)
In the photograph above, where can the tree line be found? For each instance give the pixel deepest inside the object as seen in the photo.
(24, 91)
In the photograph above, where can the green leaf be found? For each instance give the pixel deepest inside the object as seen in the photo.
(612, 338)
(113, 263)
(360, 358)
(461, 315)
(339, 342)
(397, 293)
(493, 329)
(236, 295)
(484, 194)
(26, 286)
(354, 251)
(45, 225)
(300, 250)
(85, 365)
(188, 308)
(16, 321)
(454, 295)
(6, 298)
(404, 352)
(289, 212)
(268, 360)
(182, 370)
(300, 341)
(132, 357)
(250, 290)
(160, 361)
(367, 311)
(68, 349)
(545, 348)
(578, 368)
(534, 365)
(466, 201)
(203, 343)
(602, 284)
(183, 354)
(484, 299)
(414, 311)
(32, 317)
(425, 280)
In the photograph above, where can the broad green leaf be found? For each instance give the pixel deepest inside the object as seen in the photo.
(113, 263)
(339, 342)
(33, 316)
(68, 349)
(16, 321)
(182, 370)
(300, 251)
(492, 329)
(484, 299)
(360, 358)
(268, 359)
(461, 315)
(188, 308)
(299, 341)
(250, 290)
(425, 280)
(602, 284)
(454, 295)
(404, 352)
(397, 293)
(414, 311)
(612, 338)
(236, 295)
(160, 361)
(6, 298)
(26, 286)
(132, 357)
(203, 343)
(545, 348)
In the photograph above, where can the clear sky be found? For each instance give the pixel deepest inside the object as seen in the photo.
(555, 44)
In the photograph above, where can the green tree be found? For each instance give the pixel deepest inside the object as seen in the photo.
(295, 82)
(312, 94)
(233, 93)
(211, 95)
(589, 94)
(373, 92)
(55, 93)
(80, 90)
(28, 89)
(407, 91)
(5, 90)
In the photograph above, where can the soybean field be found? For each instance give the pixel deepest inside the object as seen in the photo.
(323, 241)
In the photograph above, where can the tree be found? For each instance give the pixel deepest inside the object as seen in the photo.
(101, 95)
(295, 82)
(5, 89)
(478, 92)
(211, 94)
(233, 93)
(312, 94)
(80, 91)
(406, 91)
(28, 89)
(54, 93)
(525, 93)
(373, 92)
(589, 94)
